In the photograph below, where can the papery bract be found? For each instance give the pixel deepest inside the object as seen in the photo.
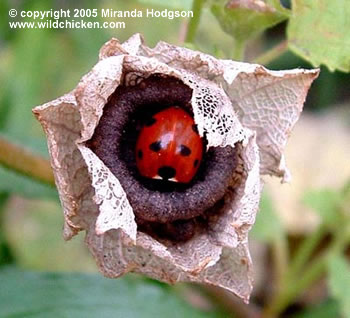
(234, 104)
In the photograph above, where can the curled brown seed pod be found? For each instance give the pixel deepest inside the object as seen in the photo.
(197, 232)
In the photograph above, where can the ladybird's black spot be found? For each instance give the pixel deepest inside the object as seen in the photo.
(140, 154)
(166, 172)
(155, 146)
(195, 164)
(150, 121)
(195, 129)
(185, 151)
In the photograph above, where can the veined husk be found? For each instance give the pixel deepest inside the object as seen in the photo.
(237, 104)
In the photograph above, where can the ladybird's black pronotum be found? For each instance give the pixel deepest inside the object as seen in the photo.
(128, 135)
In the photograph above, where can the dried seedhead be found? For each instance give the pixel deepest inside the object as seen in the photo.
(172, 232)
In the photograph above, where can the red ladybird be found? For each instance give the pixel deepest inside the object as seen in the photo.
(169, 146)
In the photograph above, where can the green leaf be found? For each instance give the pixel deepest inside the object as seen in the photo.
(267, 226)
(318, 31)
(174, 4)
(325, 203)
(243, 20)
(327, 309)
(31, 294)
(339, 282)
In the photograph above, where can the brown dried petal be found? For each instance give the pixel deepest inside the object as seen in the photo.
(236, 104)
(62, 124)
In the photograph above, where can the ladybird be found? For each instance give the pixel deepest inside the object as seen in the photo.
(169, 146)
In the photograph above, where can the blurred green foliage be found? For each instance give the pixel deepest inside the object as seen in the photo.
(243, 23)
(327, 309)
(268, 225)
(6, 253)
(41, 295)
(326, 202)
(321, 38)
(339, 281)
(37, 65)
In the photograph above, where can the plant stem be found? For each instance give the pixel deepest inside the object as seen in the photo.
(194, 22)
(25, 162)
(297, 283)
(238, 50)
(280, 259)
(305, 251)
(272, 53)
